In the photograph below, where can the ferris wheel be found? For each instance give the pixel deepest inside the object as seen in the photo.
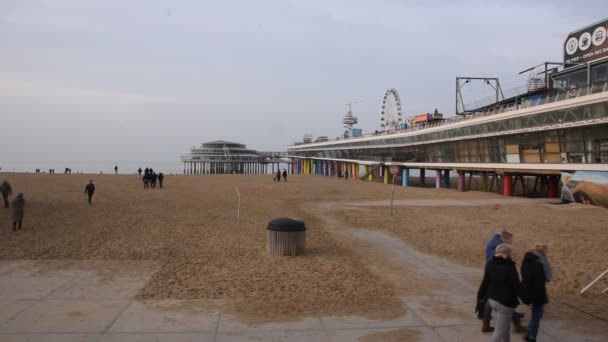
(391, 116)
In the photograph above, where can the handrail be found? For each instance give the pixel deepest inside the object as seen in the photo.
(551, 97)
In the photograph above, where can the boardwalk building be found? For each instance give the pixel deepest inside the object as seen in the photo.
(559, 123)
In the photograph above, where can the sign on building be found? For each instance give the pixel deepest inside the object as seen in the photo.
(587, 44)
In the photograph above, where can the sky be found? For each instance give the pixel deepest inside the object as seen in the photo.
(117, 81)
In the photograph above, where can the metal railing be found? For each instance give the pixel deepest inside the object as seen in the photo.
(551, 97)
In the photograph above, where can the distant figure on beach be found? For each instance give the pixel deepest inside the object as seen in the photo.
(89, 190)
(6, 190)
(285, 175)
(146, 180)
(18, 211)
(115, 169)
(139, 172)
(153, 177)
(160, 180)
(278, 175)
(535, 273)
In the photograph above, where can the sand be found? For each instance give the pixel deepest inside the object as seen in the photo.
(190, 229)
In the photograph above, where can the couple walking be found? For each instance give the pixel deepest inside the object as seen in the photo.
(501, 287)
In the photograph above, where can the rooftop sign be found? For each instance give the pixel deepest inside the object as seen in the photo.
(587, 44)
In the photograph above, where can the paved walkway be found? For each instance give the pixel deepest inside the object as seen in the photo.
(51, 300)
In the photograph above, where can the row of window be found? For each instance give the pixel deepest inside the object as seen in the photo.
(575, 145)
(561, 117)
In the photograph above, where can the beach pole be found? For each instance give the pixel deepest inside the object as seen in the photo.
(238, 203)
(392, 192)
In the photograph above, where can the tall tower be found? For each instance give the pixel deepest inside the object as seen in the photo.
(349, 119)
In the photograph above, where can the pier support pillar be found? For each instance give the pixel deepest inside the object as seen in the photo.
(437, 179)
(405, 177)
(506, 185)
(553, 182)
(485, 185)
(422, 177)
(461, 181)
(446, 179)
(386, 175)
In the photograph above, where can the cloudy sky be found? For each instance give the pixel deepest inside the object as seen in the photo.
(145, 80)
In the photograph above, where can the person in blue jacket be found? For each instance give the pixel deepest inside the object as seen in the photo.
(503, 237)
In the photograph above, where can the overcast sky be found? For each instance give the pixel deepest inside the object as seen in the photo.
(146, 80)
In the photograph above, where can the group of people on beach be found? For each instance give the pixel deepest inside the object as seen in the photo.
(501, 289)
(277, 176)
(18, 203)
(150, 177)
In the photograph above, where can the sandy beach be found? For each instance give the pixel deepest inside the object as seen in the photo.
(190, 229)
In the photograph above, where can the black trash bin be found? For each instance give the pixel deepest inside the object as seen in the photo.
(286, 237)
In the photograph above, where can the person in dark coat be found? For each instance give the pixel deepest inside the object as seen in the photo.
(153, 179)
(503, 237)
(146, 180)
(18, 205)
(6, 190)
(115, 169)
(501, 286)
(160, 180)
(284, 175)
(278, 175)
(139, 172)
(535, 273)
(89, 190)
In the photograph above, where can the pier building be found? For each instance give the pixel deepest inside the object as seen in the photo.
(225, 157)
(559, 122)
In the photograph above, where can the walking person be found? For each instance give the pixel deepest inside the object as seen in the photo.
(18, 211)
(504, 236)
(535, 273)
(278, 175)
(501, 285)
(146, 180)
(89, 190)
(153, 179)
(115, 169)
(160, 180)
(285, 175)
(139, 172)
(6, 190)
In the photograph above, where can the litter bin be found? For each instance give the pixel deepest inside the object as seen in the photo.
(285, 237)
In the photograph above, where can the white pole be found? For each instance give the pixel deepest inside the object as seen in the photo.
(392, 194)
(606, 289)
(238, 203)
(593, 282)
